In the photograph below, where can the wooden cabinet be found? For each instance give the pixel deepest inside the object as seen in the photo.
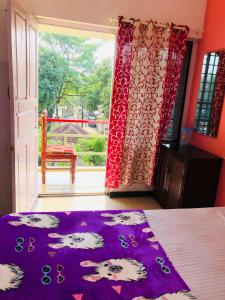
(186, 176)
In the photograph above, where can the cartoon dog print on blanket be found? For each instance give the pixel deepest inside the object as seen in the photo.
(78, 240)
(180, 295)
(10, 277)
(35, 220)
(116, 269)
(125, 218)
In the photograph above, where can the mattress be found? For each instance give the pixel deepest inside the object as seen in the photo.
(194, 240)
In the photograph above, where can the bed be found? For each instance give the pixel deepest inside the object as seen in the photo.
(194, 239)
(181, 255)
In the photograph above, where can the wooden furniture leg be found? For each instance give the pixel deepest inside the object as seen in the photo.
(43, 170)
(72, 169)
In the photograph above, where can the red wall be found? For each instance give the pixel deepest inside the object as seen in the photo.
(213, 39)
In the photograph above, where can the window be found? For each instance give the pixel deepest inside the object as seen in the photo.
(206, 93)
(173, 132)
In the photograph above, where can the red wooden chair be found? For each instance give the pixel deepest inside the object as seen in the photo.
(55, 153)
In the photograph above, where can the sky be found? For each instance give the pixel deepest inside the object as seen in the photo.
(106, 50)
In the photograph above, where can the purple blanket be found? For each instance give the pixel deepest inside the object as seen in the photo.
(83, 256)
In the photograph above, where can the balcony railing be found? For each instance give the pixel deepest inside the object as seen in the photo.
(89, 138)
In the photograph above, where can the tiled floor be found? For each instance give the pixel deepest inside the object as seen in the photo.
(101, 202)
(90, 180)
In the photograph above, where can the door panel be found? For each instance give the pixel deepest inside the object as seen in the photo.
(163, 178)
(21, 57)
(22, 179)
(32, 62)
(26, 122)
(175, 187)
(33, 174)
(23, 96)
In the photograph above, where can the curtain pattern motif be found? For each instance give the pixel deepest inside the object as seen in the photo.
(218, 96)
(156, 61)
(119, 104)
(146, 93)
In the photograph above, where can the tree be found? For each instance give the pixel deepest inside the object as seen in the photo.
(104, 73)
(70, 77)
(79, 52)
(52, 72)
(64, 63)
(99, 89)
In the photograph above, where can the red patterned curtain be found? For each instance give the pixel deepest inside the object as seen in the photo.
(119, 103)
(143, 98)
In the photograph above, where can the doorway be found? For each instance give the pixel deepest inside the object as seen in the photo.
(75, 80)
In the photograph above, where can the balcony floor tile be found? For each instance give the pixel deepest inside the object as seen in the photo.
(59, 182)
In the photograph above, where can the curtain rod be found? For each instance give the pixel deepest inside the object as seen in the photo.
(162, 25)
(132, 20)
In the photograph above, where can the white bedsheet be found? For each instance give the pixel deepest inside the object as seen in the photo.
(194, 240)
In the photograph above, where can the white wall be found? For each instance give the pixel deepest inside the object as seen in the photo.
(189, 12)
(5, 155)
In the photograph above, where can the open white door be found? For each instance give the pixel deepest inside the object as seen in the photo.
(24, 103)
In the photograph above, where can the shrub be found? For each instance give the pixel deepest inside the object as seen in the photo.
(92, 144)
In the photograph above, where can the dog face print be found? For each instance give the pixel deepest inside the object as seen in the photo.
(116, 269)
(180, 295)
(36, 220)
(125, 218)
(78, 240)
(10, 277)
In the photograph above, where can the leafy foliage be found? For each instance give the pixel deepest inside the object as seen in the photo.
(52, 75)
(98, 92)
(69, 75)
(97, 144)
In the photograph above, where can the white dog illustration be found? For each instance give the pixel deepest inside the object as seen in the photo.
(125, 218)
(181, 295)
(78, 240)
(10, 276)
(116, 269)
(36, 220)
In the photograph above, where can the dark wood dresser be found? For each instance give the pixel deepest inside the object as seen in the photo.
(186, 177)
